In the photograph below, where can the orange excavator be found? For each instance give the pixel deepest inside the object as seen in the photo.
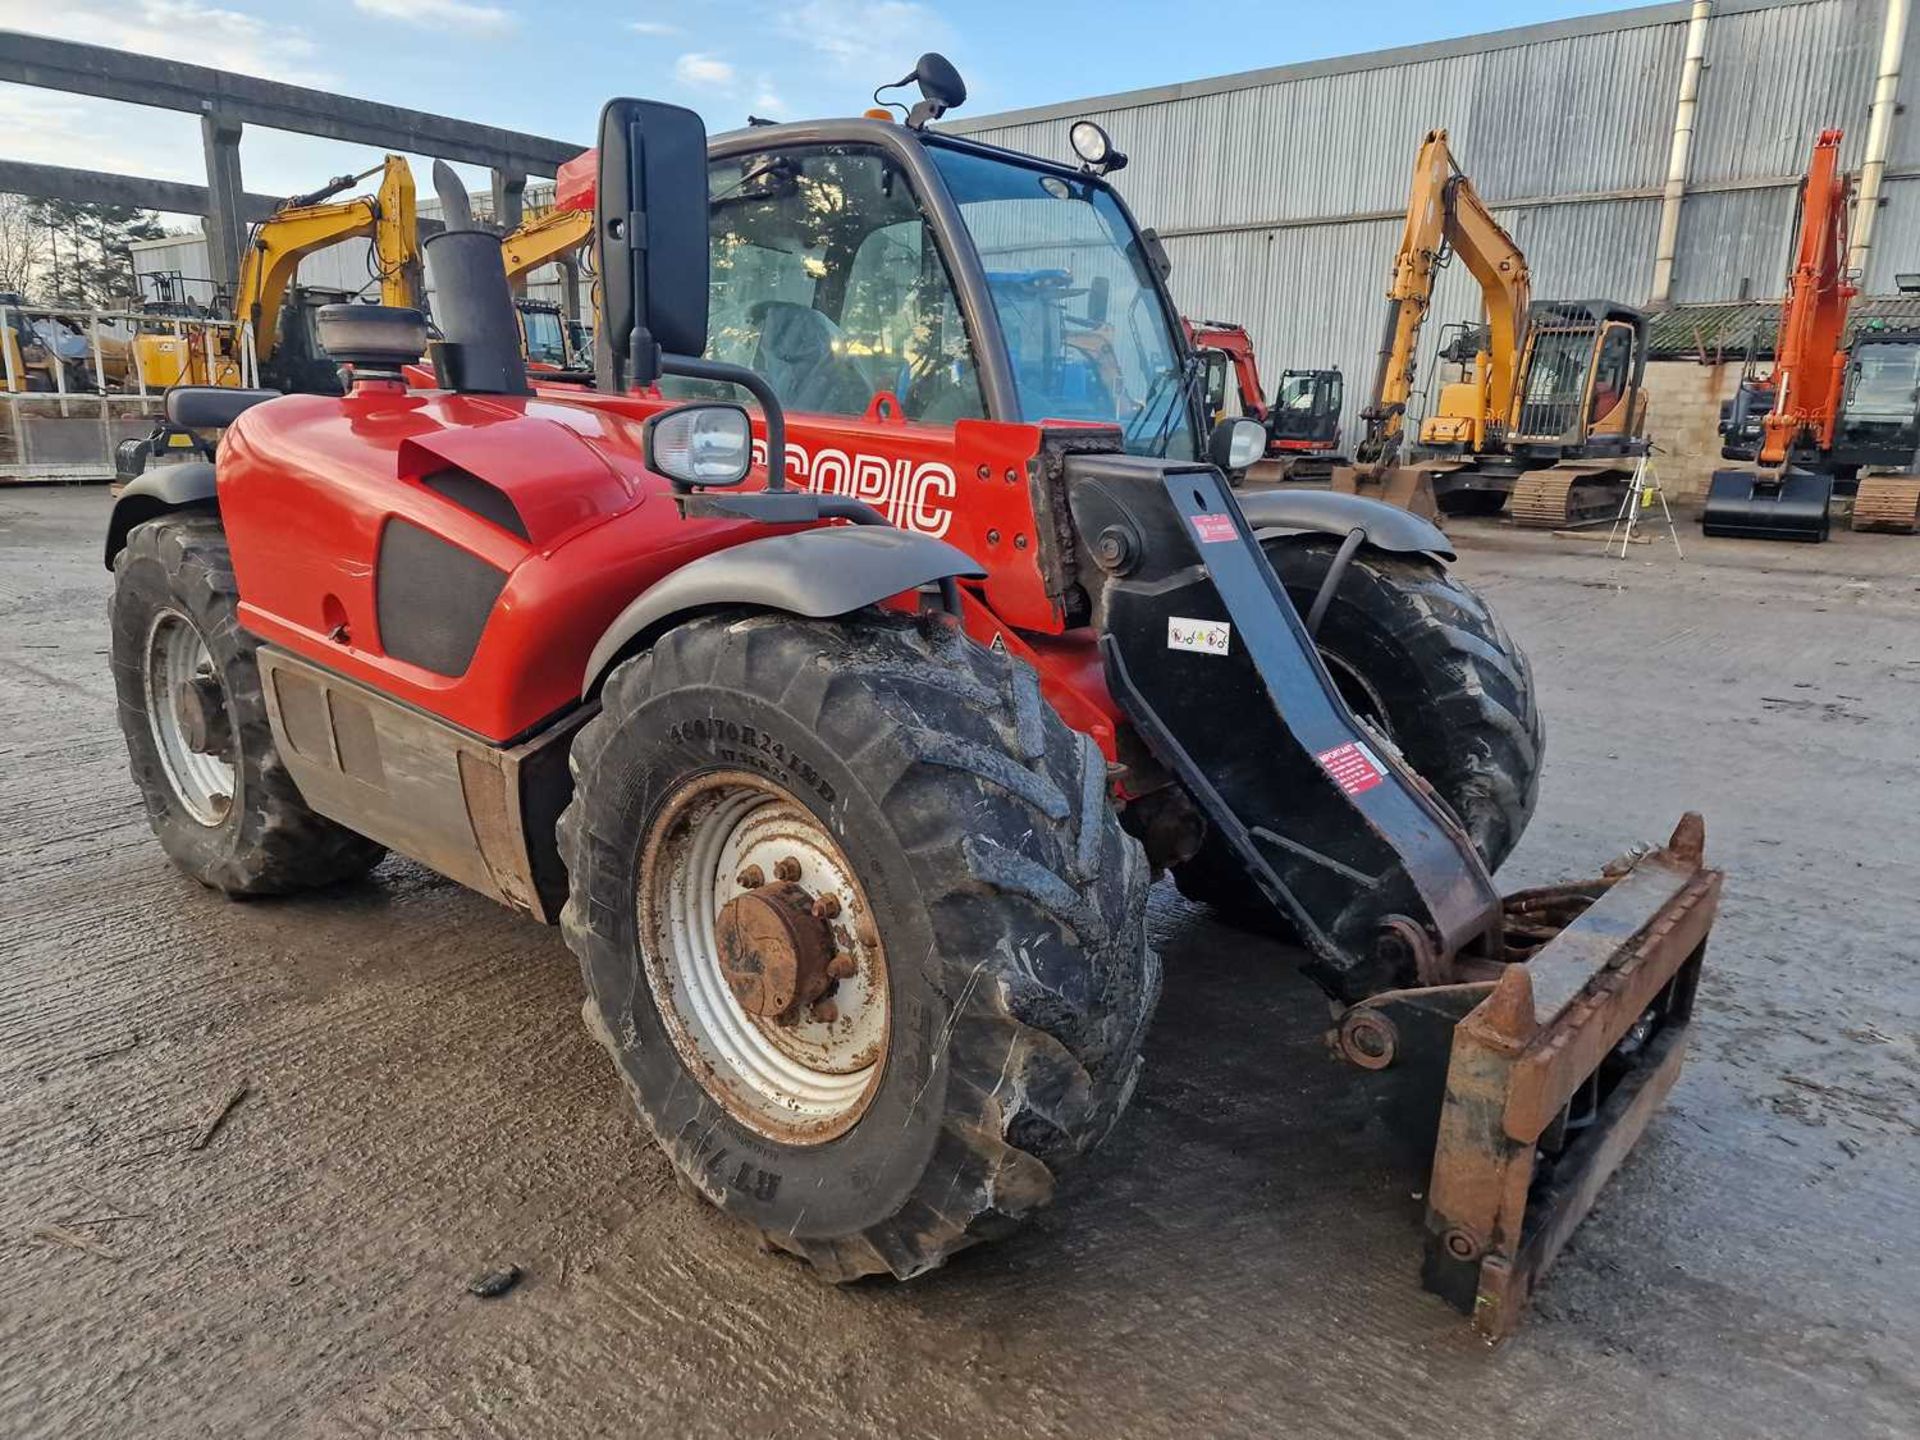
(1829, 411)
(1800, 400)
(1302, 423)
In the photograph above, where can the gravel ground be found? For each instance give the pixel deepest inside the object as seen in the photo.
(422, 1104)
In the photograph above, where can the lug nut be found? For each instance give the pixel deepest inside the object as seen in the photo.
(825, 1011)
(826, 907)
(841, 967)
(752, 878)
(787, 870)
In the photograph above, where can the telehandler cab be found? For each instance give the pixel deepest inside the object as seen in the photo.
(842, 736)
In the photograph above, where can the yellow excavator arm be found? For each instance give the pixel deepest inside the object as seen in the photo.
(544, 238)
(1445, 215)
(310, 222)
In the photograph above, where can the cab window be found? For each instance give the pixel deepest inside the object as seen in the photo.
(827, 281)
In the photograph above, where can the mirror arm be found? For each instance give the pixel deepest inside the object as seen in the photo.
(695, 368)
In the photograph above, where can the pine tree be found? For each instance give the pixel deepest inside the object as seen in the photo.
(87, 262)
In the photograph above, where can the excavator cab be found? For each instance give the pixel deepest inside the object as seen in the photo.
(1879, 420)
(1580, 379)
(1306, 410)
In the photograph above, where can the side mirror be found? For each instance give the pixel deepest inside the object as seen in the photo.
(651, 234)
(701, 446)
(1236, 444)
(1099, 295)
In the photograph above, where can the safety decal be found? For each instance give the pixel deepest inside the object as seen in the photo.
(1353, 767)
(1214, 529)
(1203, 637)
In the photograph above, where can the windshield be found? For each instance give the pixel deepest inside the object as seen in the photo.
(546, 340)
(1088, 336)
(1885, 383)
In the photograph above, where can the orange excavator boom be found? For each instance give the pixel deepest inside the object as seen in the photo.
(1809, 356)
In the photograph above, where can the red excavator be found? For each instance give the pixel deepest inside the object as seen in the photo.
(1302, 423)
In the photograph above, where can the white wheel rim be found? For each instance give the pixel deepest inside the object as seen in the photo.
(177, 655)
(801, 1082)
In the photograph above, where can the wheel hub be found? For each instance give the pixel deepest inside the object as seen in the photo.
(774, 951)
(202, 710)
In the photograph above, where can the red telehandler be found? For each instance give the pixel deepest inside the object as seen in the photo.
(842, 735)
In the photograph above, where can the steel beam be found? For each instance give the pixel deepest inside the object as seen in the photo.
(196, 89)
(95, 187)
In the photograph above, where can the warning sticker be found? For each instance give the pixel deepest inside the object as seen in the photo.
(1213, 529)
(1203, 637)
(1353, 767)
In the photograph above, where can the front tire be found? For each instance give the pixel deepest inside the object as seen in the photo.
(993, 979)
(194, 715)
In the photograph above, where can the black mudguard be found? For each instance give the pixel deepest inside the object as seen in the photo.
(815, 573)
(1326, 512)
(160, 490)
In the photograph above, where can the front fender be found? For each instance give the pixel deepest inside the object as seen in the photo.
(1326, 512)
(186, 485)
(833, 570)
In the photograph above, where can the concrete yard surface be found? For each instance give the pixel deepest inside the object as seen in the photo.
(419, 1103)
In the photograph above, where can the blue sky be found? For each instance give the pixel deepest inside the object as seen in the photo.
(545, 68)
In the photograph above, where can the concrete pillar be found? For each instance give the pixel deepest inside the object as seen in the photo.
(226, 219)
(509, 195)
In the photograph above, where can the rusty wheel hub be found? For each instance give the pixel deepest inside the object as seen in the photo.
(763, 957)
(774, 951)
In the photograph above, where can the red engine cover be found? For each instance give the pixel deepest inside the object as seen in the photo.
(312, 487)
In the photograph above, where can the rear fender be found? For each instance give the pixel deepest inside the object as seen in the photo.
(1326, 512)
(816, 573)
(159, 491)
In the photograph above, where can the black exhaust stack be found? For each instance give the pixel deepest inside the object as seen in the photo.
(479, 353)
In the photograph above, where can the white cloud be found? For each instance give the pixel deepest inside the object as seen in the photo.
(704, 72)
(652, 27)
(178, 30)
(438, 14)
(767, 101)
(869, 40)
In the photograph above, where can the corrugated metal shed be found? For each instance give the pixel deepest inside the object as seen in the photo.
(1279, 192)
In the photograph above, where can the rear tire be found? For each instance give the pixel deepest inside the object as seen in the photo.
(970, 829)
(232, 817)
(1422, 658)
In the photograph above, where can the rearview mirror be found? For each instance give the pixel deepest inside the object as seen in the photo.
(651, 234)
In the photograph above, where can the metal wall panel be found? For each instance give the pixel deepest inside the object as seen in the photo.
(1775, 78)
(1896, 238)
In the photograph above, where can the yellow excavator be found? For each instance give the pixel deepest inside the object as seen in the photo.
(275, 314)
(544, 336)
(1545, 413)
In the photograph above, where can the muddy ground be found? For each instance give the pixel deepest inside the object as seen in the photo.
(422, 1103)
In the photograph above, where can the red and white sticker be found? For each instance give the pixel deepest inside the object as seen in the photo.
(1353, 767)
(1214, 529)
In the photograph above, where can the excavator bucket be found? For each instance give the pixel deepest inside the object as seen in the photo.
(1757, 505)
(1547, 1073)
(1408, 486)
